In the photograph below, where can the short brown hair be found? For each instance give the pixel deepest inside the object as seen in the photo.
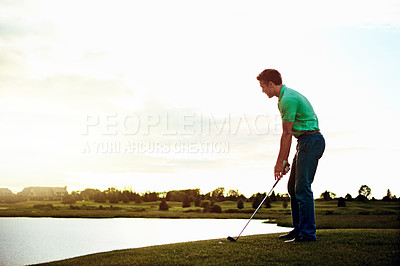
(270, 75)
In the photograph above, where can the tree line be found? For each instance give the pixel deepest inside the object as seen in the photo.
(187, 196)
(193, 196)
(364, 194)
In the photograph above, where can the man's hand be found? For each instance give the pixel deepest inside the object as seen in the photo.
(281, 169)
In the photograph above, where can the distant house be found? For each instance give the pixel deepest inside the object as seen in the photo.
(44, 193)
(5, 192)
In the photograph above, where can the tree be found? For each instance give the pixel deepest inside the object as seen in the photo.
(124, 198)
(89, 193)
(273, 197)
(327, 195)
(186, 202)
(179, 195)
(99, 197)
(176, 195)
(257, 200)
(218, 194)
(138, 199)
(364, 191)
(240, 204)
(216, 209)
(361, 198)
(233, 194)
(77, 195)
(163, 205)
(348, 197)
(267, 203)
(197, 201)
(206, 206)
(150, 196)
(113, 197)
(388, 196)
(68, 199)
(207, 196)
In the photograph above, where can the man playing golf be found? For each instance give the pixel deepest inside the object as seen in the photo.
(299, 120)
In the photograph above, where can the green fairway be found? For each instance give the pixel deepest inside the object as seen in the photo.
(371, 214)
(334, 247)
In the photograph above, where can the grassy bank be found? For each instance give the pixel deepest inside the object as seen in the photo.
(372, 214)
(334, 247)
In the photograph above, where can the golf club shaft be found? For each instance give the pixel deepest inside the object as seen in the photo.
(259, 206)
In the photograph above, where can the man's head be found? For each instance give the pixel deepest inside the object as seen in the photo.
(270, 82)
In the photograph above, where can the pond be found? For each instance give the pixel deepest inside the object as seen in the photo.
(35, 240)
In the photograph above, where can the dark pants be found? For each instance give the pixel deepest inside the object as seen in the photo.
(309, 150)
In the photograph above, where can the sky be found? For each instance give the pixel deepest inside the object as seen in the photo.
(162, 95)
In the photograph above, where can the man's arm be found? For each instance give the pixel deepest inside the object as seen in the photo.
(286, 142)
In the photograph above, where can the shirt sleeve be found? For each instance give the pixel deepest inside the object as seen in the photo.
(289, 109)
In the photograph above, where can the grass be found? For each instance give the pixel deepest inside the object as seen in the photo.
(360, 233)
(372, 214)
(334, 247)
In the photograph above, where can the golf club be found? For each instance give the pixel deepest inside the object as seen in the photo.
(287, 168)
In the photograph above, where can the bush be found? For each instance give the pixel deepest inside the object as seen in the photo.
(163, 205)
(341, 202)
(267, 203)
(256, 202)
(240, 204)
(361, 198)
(206, 206)
(285, 203)
(216, 209)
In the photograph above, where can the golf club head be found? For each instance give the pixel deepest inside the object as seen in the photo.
(231, 239)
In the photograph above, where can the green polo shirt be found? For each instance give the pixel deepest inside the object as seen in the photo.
(294, 107)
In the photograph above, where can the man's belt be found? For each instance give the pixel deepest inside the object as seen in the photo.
(308, 133)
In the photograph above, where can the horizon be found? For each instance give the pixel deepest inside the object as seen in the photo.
(156, 97)
(15, 191)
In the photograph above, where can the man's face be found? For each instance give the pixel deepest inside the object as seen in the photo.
(267, 88)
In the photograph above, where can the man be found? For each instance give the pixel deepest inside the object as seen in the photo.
(299, 120)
